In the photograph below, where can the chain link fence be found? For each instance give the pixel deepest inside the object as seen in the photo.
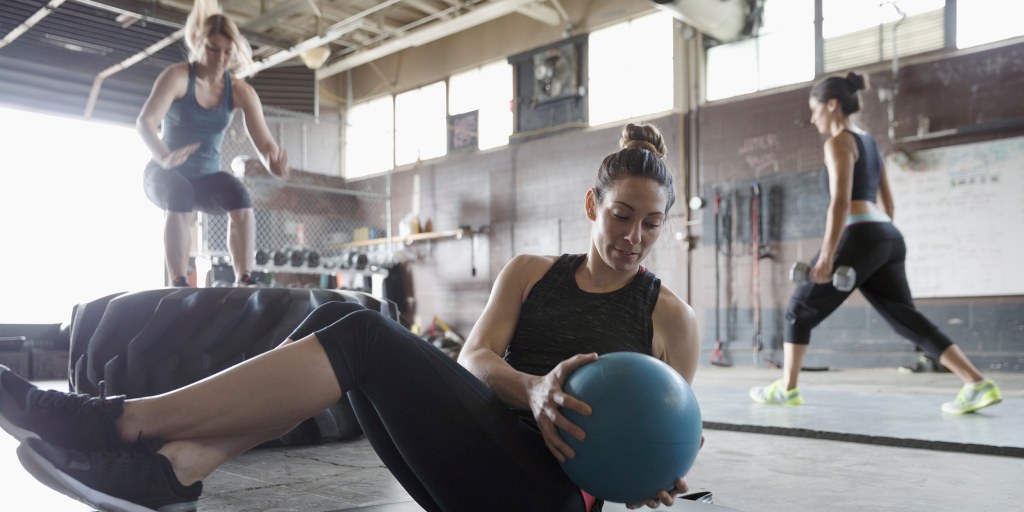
(312, 222)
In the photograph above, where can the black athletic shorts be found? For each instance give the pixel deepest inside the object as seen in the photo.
(215, 194)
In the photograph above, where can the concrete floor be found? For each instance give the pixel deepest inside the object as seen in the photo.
(799, 465)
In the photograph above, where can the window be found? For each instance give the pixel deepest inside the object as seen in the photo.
(75, 217)
(421, 124)
(985, 21)
(781, 53)
(859, 32)
(732, 69)
(631, 68)
(488, 90)
(369, 138)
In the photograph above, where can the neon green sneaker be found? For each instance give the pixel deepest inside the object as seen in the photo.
(973, 397)
(776, 394)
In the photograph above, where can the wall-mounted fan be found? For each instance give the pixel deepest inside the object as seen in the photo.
(554, 73)
(550, 88)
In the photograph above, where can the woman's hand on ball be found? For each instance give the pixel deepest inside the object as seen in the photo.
(547, 399)
(667, 497)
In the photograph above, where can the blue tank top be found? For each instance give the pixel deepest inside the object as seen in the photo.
(187, 122)
(559, 320)
(867, 170)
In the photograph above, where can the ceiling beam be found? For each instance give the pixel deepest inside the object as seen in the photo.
(376, 26)
(151, 13)
(308, 44)
(97, 83)
(541, 13)
(43, 12)
(477, 16)
(154, 12)
(426, 8)
(286, 9)
(332, 33)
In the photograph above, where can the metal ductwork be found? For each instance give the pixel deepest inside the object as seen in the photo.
(723, 20)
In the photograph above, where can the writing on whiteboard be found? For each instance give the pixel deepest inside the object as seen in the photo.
(961, 211)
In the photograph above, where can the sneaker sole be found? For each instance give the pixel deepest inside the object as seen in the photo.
(765, 402)
(16, 432)
(49, 475)
(784, 404)
(980, 406)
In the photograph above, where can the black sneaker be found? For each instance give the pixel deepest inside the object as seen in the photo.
(180, 282)
(133, 478)
(246, 281)
(699, 497)
(70, 420)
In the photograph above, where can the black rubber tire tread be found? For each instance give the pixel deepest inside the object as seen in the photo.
(153, 341)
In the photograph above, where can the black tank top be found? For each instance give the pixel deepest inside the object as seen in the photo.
(559, 320)
(867, 170)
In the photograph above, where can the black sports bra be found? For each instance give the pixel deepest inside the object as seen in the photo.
(867, 170)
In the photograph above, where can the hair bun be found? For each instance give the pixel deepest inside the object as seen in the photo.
(856, 82)
(642, 136)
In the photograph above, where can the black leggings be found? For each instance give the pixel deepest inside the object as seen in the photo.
(877, 253)
(450, 442)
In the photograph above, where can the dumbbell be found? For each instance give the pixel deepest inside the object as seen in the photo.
(358, 260)
(345, 262)
(280, 257)
(297, 257)
(262, 257)
(312, 259)
(843, 279)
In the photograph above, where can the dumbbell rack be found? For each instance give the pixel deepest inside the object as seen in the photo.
(315, 209)
(377, 274)
(306, 212)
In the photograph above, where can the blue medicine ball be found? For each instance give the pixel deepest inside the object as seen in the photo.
(644, 431)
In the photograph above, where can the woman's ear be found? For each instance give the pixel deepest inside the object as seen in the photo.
(832, 104)
(589, 204)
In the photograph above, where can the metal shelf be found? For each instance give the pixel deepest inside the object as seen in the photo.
(206, 263)
(457, 234)
(288, 269)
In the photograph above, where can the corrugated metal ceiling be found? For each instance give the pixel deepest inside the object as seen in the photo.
(53, 65)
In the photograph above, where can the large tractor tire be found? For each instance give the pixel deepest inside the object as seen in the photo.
(153, 341)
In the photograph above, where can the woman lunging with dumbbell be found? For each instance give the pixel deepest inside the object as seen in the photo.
(860, 236)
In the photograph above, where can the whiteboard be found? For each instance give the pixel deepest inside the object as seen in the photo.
(961, 211)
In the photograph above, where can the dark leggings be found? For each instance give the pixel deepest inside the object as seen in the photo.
(877, 252)
(450, 442)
